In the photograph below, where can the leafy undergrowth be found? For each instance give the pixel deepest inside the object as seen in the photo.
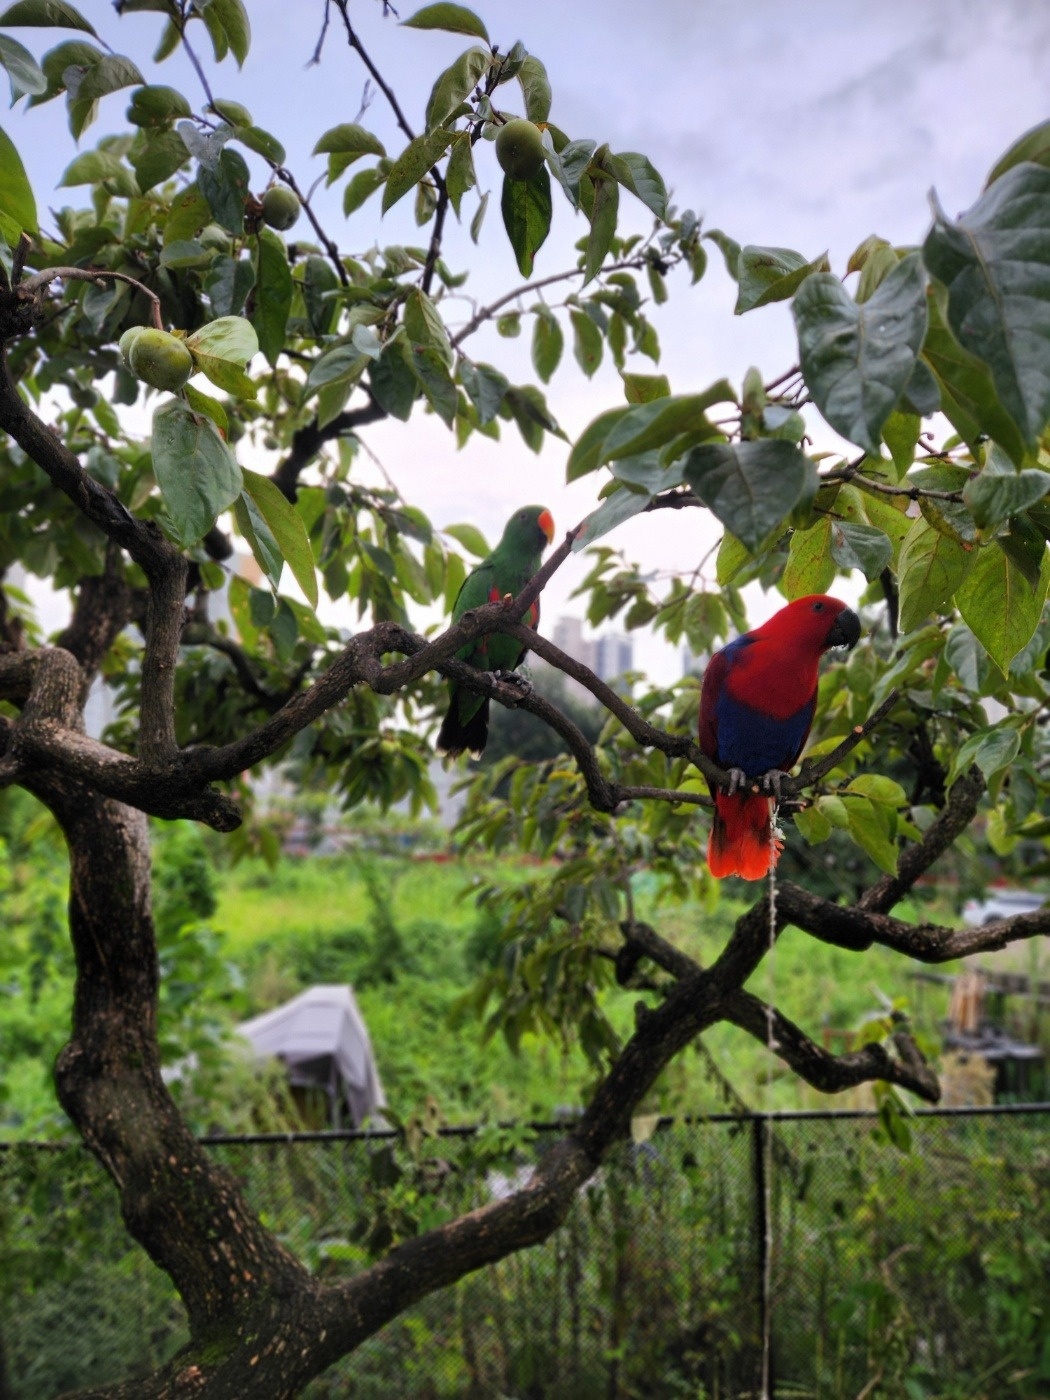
(409, 938)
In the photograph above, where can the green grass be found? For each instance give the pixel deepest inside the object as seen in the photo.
(405, 944)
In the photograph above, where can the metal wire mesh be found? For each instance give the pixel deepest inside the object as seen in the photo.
(919, 1274)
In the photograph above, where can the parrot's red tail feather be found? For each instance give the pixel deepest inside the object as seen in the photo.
(742, 841)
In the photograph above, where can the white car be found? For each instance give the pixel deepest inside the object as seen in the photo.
(1002, 904)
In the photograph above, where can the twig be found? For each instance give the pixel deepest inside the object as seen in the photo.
(42, 279)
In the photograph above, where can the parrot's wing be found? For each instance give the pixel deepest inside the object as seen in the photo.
(714, 678)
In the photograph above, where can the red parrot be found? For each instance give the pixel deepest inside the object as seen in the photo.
(506, 571)
(756, 706)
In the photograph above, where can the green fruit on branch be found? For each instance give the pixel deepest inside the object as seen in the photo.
(126, 341)
(519, 149)
(280, 207)
(159, 359)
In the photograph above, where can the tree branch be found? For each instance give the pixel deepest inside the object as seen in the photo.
(308, 441)
(163, 564)
(831, 1074)
(384, 87)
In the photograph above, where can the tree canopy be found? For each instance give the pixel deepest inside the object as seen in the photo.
(124, 484)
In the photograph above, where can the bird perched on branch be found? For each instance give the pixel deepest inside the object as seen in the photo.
(504, 573)
(757, 703)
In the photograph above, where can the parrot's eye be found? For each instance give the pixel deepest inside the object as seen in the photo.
(818, 607)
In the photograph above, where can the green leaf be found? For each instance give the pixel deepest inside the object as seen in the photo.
(656, 423)
(486, 387)
(211, 408)
(586, 342)
(866, 828)
(52, 14)
(157, 158)
(647, 471)
(730, 250)
(273, 294)
(157, 106)
(771, 274)
(813, 825)
(188, 212)
(227, 284)
(110, 74)
(637, 174)
(288, 529)
(998, 604)
(1023, 544)
(226, 189)
(604, 210)
(261, 142)
(900, 433)
(455, 19)
(536, 88)
(749, 486)
(74, 54)
(857, 359)
(26, 75)
(996, 494)
(184, 252)
(394, 386)
(922, 393)
(586, 454)
(991, 750)
(455, 85)
(197, 473)
(858, 546)
(644, 388)
(1033, 146)
(424, 326)
(471, 538)
(547, 343)
(90, 167)
(225, 344)
(460, 175)
(527, 209)
(613, 511)
(879, 789)
(431, 369)
(810, 566)
(995, 262)
(479, 217)
(413, 163)
(343, 363)
(233, 18)
(17, 205)
(968, 396)
(363, 185)
(931, 567)
(252, 525)
(730, 559)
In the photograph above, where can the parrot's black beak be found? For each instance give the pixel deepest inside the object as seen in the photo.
(845, 630)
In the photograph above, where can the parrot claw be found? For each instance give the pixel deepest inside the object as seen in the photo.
(737, 779)
(771, 781)
(511, 678)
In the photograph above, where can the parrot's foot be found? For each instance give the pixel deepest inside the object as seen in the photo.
(771, 781)
(736, 780)
(511, 678)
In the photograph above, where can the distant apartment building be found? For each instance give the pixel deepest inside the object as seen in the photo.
(610, 656)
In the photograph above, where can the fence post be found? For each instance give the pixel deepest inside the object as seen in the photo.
(760, 1130)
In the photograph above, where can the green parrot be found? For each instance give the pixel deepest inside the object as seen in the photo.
(506, 571)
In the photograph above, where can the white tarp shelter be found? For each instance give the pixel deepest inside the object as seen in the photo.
(321, 1038)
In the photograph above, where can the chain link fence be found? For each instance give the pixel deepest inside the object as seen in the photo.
(802, 1248)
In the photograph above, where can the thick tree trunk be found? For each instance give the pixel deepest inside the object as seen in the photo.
(236, 1280)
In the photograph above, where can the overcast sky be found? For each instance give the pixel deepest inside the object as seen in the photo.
(804, 126)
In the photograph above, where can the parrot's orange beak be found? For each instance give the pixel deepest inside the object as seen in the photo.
(546, 523)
